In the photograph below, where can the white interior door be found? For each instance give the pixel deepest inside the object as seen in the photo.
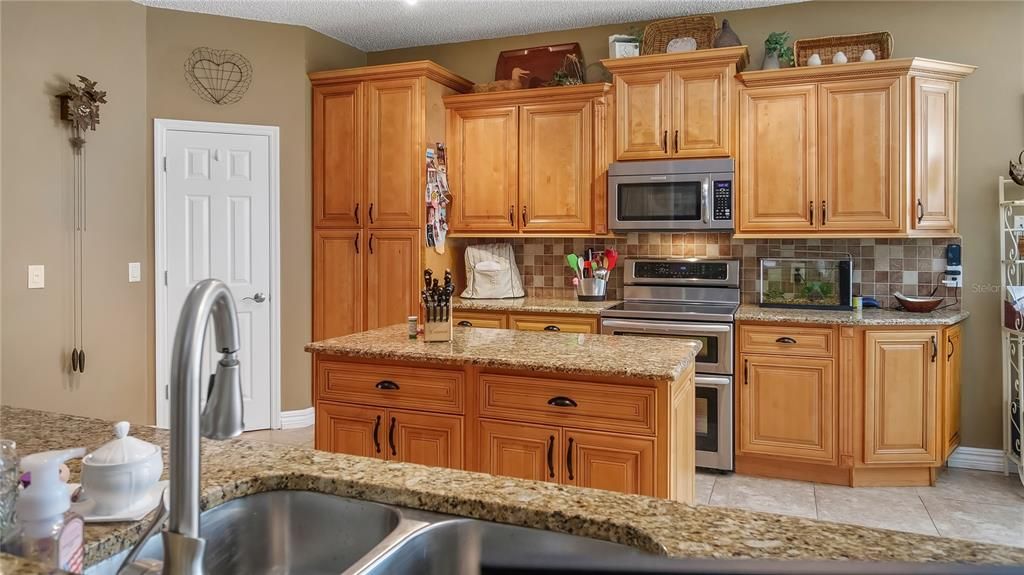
(217, 224)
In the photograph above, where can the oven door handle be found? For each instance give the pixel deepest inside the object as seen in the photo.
(673, 328)
(704, 201)
(707, 380)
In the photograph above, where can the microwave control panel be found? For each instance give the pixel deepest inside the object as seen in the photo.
(722, 199)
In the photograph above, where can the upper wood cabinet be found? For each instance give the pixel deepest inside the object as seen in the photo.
(395, 153)
(529, 161)
(901, 395)
(848, 150)
(338, 160)
(675, 105)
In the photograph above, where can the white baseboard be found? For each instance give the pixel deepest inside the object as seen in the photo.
(978, 458)
(298, 418)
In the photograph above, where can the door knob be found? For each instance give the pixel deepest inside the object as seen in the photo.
(258, 297)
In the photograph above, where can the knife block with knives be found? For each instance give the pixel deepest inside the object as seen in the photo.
(437, 307)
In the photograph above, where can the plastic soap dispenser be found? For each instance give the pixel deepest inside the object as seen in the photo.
(50, 533)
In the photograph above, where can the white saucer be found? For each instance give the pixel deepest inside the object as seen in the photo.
(136, 512)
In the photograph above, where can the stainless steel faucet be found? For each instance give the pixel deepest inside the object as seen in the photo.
(220, 419)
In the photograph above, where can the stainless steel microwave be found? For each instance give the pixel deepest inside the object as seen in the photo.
(669, 195)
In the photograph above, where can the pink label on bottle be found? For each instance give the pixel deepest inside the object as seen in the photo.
(71, 551)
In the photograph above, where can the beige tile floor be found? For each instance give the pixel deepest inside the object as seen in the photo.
(965, 504)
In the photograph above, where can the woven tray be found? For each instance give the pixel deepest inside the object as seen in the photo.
(658, 34)
(852, 45)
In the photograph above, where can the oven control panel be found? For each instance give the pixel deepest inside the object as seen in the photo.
(681, 270)
(721, 202)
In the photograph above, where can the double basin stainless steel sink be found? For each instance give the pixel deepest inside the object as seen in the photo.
(285, 532)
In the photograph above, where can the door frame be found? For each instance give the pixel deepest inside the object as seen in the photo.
(161, 127)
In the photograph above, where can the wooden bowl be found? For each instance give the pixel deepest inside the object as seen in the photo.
(918, 304)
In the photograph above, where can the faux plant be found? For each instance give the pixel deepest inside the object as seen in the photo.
(776, 44)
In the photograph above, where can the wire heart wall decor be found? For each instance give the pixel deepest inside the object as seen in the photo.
(218, 76)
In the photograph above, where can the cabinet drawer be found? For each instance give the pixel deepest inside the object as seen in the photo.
(582, 404)
(493, 320)
(529, 322)
(390, 386)
(808, 341)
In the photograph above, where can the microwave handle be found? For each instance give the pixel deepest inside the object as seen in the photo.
(704, 201)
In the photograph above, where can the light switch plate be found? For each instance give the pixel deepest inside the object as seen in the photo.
(36, 277)
(134, 272)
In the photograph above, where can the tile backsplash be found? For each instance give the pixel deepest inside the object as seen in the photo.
(881, 266)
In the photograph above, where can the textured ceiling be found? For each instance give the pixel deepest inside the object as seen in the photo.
(372, 25)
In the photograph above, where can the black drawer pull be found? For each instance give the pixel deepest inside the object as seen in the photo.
(552, 328)
(386, 384)
(465, 323)
(568, 459)
(562, 401)
(391, 438)
(952, 348)
(376, 430)
(786, 340)
(551, 457)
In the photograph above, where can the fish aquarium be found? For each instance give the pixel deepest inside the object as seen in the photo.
(810, 283)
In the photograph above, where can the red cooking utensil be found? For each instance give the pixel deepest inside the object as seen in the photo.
(612, 255)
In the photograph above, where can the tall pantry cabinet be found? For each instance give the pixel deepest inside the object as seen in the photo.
(371, 129)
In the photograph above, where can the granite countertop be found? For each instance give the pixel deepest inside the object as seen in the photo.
(870, 316)
(240, 467)
(567, 304)
(564, 353)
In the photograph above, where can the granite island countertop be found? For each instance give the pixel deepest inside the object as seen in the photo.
(240, 467)
(869, 317)
(542, 351)
(567, 304)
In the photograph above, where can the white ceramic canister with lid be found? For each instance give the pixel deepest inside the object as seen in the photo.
(121, 473)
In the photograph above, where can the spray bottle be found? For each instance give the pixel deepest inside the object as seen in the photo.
(50, 533)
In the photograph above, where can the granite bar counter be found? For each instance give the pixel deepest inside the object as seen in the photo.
(869, 317)
(564, 353)
(240, 467)
(566, 304)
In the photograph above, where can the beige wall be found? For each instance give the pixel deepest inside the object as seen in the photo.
(279, 96)
(45, 45)
(136, 53)
(991, 129)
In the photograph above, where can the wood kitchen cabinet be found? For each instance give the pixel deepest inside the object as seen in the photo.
(371, 128)
(492, 320)
(529, 161)
(901, 396)
(350, 429)
(827, 152)
(675, 105)
(787, 407)
(520, 450)
(951, 389)
(573, 323)
(425, 438)
(609, 461)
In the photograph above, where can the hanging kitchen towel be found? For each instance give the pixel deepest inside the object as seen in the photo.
(491, 272)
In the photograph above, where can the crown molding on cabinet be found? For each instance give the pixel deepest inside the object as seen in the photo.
(857, 71)
(680, 60)
(546, 95)
(425, 68)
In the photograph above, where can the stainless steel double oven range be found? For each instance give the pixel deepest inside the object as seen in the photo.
(691, 299)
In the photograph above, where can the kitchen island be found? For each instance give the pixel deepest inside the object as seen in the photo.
(241, 467)
(574, 409)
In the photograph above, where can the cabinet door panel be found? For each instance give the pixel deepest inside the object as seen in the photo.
(859, 130)
(777, 159)
(579, 324)
(900, 396)
(701, 115)
(338, 164)
(338, 280)
(520, 450)
(483, 169)
(787, 407)
(392, 267)
(426, 439)
(492, 320)
(951, 388)
(644, 110)
(614, 462)
(350, 429)
(395, 154)
(934, 155)
(555, 167)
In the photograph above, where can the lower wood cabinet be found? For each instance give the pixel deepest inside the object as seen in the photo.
(480, 319)
(577, 323)
(787, 407)
(392, 434)
(951, 389)
(901, 389)
(614, 462)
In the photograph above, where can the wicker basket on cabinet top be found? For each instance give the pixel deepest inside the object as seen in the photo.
(658, 34)
(852, 45)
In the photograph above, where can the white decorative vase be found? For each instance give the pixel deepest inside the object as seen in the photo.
(839, 58)
(814, 60)
(867, 56)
